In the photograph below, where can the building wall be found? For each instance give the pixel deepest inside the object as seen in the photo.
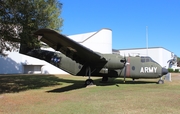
(11, 64)
(159, 54)
(166, 55)
(100, 41)
(16, 63)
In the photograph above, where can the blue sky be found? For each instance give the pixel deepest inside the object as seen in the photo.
(128, 20)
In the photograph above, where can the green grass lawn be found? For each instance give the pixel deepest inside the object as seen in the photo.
(65, 94)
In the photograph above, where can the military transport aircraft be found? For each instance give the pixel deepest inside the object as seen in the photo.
(78, 60)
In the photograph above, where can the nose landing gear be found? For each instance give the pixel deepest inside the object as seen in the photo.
(160, 81)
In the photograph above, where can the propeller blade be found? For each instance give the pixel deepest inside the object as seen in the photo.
(125, 69)
(125, 73)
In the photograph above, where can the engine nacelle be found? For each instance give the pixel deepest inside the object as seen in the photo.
(114, 63)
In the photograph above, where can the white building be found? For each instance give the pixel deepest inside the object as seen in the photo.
(100, 41)
(14, 63)
(161, 55)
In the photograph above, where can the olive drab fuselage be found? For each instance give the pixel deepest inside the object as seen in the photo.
(135, 67)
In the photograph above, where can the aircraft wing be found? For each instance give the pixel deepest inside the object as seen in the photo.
(70, 48)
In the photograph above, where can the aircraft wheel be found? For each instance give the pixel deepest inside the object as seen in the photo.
(161, 82)
(104, 79)
(89, 82)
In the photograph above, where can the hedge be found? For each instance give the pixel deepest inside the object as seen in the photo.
(171, 70)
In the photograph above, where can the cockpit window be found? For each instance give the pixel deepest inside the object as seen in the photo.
(146, 59)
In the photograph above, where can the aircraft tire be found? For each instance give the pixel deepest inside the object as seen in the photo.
(161, 82)
(89, 82)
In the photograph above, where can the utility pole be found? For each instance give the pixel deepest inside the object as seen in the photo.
(147, 40)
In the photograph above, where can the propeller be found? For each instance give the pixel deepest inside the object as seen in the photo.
(125, 66)
(124, 69)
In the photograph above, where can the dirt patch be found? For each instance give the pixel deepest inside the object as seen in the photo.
(175, 76)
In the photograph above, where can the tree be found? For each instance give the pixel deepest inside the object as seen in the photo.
(178, 61)
(20, 18)
(7, 29)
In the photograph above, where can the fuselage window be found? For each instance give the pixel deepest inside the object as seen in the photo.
(142, 60)
(147, 60)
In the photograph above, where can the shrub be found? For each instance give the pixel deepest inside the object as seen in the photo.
(170, 70)
(176, 70)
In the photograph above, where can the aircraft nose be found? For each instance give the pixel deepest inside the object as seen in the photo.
(164, 71)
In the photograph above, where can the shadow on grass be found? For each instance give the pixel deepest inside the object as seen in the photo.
(98, 82)
(121, 81)
(17, 83)
(68, 88)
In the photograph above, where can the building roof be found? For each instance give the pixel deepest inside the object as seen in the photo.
(144, 48)
(80, 38)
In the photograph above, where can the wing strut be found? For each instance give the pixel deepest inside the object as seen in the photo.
(88, 72)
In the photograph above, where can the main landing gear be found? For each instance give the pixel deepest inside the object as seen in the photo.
(89, 81)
